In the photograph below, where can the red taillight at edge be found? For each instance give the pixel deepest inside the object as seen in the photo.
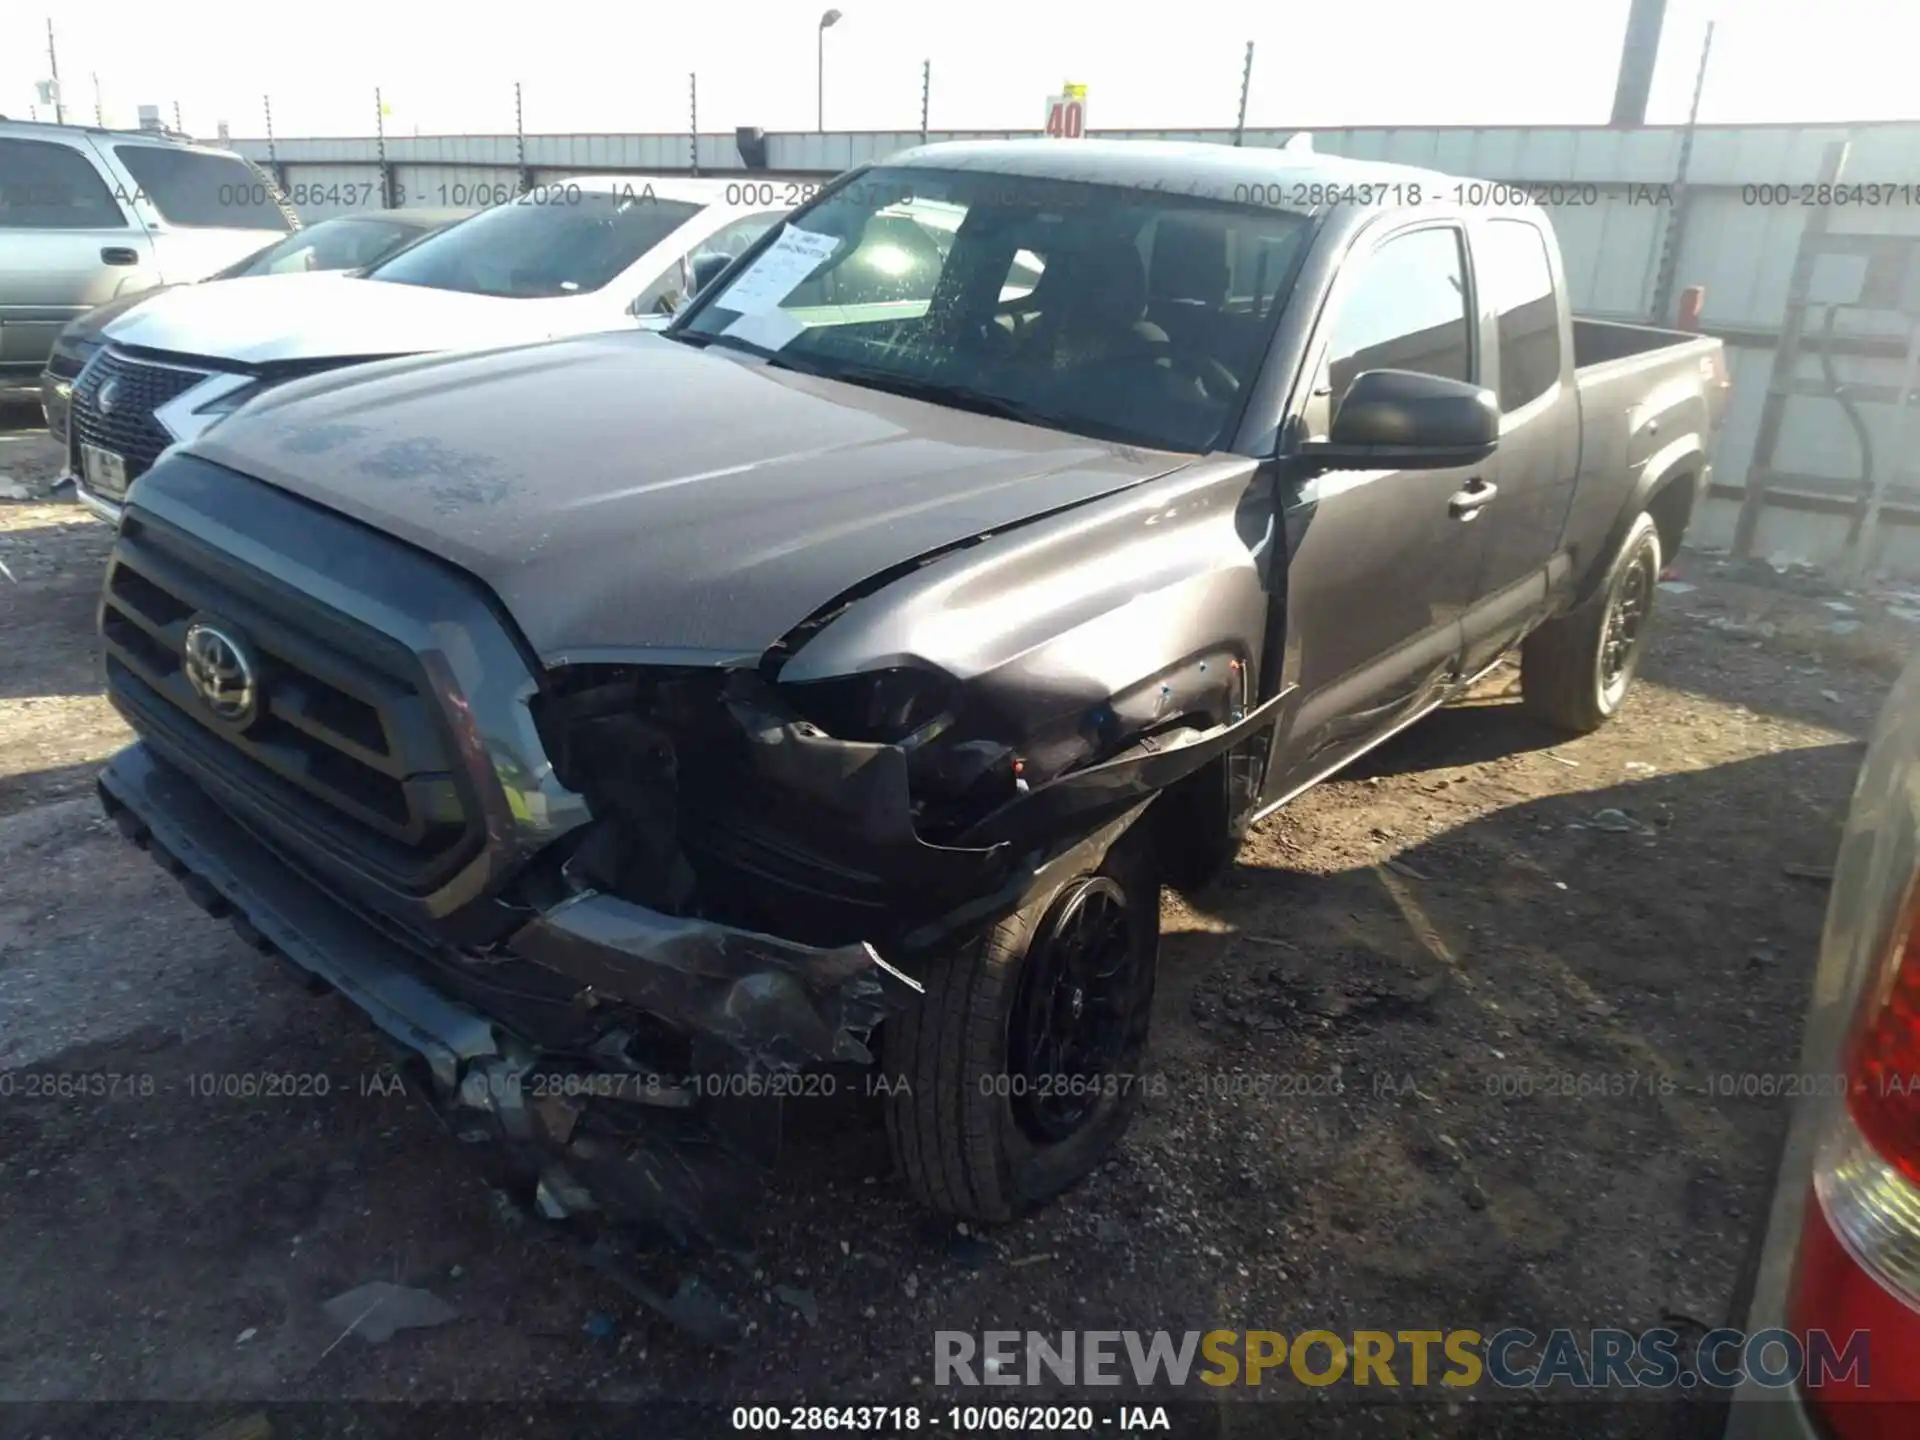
(1883, 1059)
(1859, 1262)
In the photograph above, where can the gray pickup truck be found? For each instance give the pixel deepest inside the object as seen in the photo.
(641, 728)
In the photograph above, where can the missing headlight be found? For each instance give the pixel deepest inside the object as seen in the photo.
(886, 707)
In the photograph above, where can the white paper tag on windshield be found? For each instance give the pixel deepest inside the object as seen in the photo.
(778, 269)
(769, 329)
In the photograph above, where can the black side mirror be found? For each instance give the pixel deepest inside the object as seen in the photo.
(1400, 420)
(707, 269)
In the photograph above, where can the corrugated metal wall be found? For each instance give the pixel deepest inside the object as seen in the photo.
(1736, 231)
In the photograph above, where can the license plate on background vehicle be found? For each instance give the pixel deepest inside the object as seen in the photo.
(104, 471)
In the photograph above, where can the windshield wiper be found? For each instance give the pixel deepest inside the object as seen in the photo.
(982, 402)
(958, 397)
(701, 341)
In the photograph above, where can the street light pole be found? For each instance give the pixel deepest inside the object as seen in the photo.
(831, 17)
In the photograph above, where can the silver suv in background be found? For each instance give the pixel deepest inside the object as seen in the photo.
(88, 215)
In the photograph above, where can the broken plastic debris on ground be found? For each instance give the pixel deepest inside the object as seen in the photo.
(377, 1310)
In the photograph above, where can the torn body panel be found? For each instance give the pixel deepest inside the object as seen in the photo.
(1063, 645)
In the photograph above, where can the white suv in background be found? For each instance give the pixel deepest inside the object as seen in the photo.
(567, 258)
(88, 215)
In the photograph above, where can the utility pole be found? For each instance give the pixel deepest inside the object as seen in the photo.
(520, 140)
(53, 64)
(1680, 211)
(380, 140)
(693, 119)
(1246, 84)
(99, 116)
(1638, 53)
(176, 118)
(273, 153)
(926, 91)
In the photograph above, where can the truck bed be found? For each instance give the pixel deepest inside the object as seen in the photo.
(1601, 342)
(1642, 388)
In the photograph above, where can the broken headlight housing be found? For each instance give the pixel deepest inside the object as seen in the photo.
(887, 707)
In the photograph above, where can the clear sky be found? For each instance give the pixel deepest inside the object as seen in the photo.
(592, 65)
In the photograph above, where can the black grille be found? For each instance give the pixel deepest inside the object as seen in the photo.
(129, 429)
(347, 750)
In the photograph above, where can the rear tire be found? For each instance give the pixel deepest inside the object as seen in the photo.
(985, 1128)
(1575, 670)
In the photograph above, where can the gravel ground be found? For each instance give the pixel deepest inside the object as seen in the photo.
(1411, 957)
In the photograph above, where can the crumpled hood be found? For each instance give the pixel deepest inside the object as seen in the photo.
(625, 493)
(265, 319)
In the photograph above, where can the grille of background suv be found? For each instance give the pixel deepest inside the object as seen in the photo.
(130, 429)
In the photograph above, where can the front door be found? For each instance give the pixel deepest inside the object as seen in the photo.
(1381, 563)
(66, 245)
(1539, 456)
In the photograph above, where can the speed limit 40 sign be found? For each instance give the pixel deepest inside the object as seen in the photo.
(1067, 113)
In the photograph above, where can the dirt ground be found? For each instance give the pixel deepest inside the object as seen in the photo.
(1367, 1033)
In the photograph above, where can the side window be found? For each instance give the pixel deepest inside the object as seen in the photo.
(1518, 279)
(1022, 275)
(667, 293)
(53, 187)
(732, 239)
(674, 288)
(1405, 310)
(193, 189)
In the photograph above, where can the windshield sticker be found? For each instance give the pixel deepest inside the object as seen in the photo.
(780, 267)
(769, 329)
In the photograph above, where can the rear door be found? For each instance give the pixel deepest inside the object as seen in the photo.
(1379, 568)
(205, 209)
(67, 243)
(1539, 457)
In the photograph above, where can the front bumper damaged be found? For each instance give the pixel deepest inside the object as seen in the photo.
(781, 1004)
(623, 1141)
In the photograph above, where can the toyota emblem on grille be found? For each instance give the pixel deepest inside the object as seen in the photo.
(220, 673)
(109, 393)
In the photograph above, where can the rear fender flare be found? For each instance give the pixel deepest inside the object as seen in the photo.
(1681, 461)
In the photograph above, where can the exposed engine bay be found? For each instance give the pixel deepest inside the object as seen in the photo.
(854, 809)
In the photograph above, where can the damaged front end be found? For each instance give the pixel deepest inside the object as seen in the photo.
(625, 1049)
(890, 814)
(619, 909)
(755, 894)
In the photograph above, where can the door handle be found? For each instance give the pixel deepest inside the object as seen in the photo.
(119, 255)
(1466, 504)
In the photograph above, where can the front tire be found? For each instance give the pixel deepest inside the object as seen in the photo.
(1022, 1061)
(1575, 670)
